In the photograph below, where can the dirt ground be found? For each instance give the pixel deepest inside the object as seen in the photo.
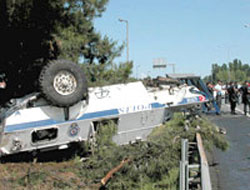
(50, 170)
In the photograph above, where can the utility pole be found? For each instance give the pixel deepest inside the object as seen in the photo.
(127, 39)
(173, 65)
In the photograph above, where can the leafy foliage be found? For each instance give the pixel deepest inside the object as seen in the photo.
(33, 32)
(100, 75)
(233, 71)
(155, 163)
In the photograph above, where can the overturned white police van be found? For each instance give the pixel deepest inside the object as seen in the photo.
(32, 123)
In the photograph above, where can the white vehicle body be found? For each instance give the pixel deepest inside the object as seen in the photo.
(135, 108)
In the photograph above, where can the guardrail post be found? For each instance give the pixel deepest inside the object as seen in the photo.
(202, 166)
(184, 165)
(182, 176)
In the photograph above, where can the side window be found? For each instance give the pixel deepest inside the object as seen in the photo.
(45, 135)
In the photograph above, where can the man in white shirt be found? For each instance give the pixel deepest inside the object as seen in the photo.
(219, 92)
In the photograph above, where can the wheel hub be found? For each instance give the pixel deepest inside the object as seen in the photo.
(65, 83)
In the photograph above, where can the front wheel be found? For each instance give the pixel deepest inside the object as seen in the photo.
(63, 83)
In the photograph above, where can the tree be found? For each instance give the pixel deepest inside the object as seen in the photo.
(215, 69)
(235, 71)
(105, 74)
(222, 75)
(33, 32)
(26, 35)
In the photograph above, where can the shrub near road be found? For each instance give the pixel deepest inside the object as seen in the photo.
(152, 165)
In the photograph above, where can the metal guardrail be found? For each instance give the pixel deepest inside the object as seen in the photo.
(183, 164)
(193, 174)
(205, 176)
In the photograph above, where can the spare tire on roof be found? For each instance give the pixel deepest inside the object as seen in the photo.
(63, 83)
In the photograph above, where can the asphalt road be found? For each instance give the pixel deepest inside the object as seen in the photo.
(230, 170)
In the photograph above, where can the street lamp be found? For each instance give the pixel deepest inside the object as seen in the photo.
(173, 65)
(127, 42)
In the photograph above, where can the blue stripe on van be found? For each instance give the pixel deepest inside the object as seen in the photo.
(22, 126)
(157, 105)
(43, 123)
(189, 100)
(99, 114)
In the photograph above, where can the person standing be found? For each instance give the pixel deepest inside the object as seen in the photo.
(2, 81)
(237, 87)
(233, 97)
(210, 88)
(2, 87)
(226, 93)
(219, 92)
(2, 84)
(245, 90)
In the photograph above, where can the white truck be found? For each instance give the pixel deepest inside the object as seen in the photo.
(68, 111)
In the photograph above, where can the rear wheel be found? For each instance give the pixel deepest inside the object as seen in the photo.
(63, 83)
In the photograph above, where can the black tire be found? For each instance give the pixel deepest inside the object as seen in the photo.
(63, 83)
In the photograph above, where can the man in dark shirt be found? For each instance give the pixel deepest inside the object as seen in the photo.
(245, 90)
(233, 97)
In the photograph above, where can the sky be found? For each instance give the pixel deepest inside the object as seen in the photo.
(192, 34)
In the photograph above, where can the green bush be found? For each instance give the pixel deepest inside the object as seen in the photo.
(155, 163)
